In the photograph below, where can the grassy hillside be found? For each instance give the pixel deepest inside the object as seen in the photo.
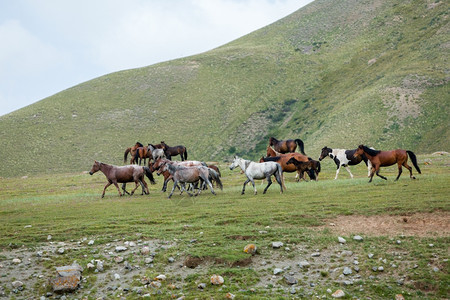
(336, 73)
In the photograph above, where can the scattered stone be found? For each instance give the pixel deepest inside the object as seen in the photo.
(17, 284)
(217, 280)
(347, 271)
(374, 269)
(68, 279)
(16, 261)
(250, 249)
(61, 250)
(100, 266)
(338, 294)
(277, 271)
(230, 296)
(148, 260)
(399, 242)
(356, 268)
(145, 250)
(290, 279)
(304, 264)
(132, 244)
(171, 259)
(116, 276)
(201, 286)
(262, 232)
(161, 277)
(90, 266)
(49, 237)
(370, 255)
(293, 290)
(347, 253)
(121, 248)
(380, 269)
(358, 238)
(329, 291)
(341, 240)
(277, 245)
(430, 245)
(118, 259)
(315, 254)
(27, 226)
(435, 269)
(155, 284)
(91, 242)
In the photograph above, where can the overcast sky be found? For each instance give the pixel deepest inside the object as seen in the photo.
(51, 45)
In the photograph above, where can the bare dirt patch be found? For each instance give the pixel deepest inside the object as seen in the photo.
(417, 224)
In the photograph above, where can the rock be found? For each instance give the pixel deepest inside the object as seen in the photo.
(341, 240)
(91, 242)
(290, 280)
(277, 271)
(315, 254)
(370, 255)
(145, 250)
(17, 284)
(16, 261)
(148, 260)
(229, 295)
(380, 269)
(121, 248)
(347, 271)
(116, 276)
(49, 237)
(358, 238)
(100, 266)
(399, 297)
(171, 259)
(118, 259)
(338, 294)
(90, 266)
(132, 244)
(217, 280)
(27, 226)
(201, 286)
(304, 264)
(61, 250)
(250, 249)
(68, 278)
(161, 277)
(347, 253)
(155, 284)
(277, 245)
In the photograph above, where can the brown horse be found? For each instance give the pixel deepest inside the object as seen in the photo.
(175, 150)
(303, 167)
(286, 146)
(167, 176)
(132, 151)
(123, 174)
(388, 158)
(142, 153)
(283, 158)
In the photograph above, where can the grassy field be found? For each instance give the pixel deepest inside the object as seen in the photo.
(213, 230)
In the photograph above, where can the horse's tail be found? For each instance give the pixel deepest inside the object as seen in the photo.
(185, 154)
(136, 157)
(126, 154)
(279, 176)
(215, 176)
(414, 160)
(149, 175)
(318, 166)
(300, 145)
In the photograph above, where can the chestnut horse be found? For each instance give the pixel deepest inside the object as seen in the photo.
(286, 146)
(123, 174)
(142, 153)
(175, 150)
(132, 151)
(388, 158)
(302, 166)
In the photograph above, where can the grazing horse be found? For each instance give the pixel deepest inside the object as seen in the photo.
(132, 151)
(344, 158)
(157, 153)
(255, 170)
(185, 175)
(388, 158)
(167, 176)
(123, 174)
(142, 153)
(286, 146)
(302, 166)
(175, 150)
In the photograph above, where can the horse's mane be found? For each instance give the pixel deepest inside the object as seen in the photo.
(371, 152)
(140, 145)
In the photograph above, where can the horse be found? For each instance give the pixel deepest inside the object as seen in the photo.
(167, 176)
(142, 153)
(345, 158)
(302, 166)
(215, 168)
(156, 152)
(254, 170)
(133, 152)
(123, 174)
(380, 158)
(185, 175)
(283, 158)
(286, 146)
(175, 150)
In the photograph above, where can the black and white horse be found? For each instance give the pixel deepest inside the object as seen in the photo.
(344, 158)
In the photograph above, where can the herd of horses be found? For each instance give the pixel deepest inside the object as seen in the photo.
(280, 158)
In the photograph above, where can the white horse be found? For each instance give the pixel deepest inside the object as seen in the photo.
(255, 170)
(344, 158)
(156, 153)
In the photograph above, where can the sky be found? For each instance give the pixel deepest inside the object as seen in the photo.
(50, 45)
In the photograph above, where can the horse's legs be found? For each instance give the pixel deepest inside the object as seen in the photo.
(118, 189)
(369, 168)
(378, 173)
(124, 185)
(245, 183)
(175, 183)
(348, 170)
(337, 172)
(405, 164)
(399, 171)
(372, 172)
(144, 187)
(279, 180)
(106, 186)
(135, 188)
(209, 184)
(254, 187)
(269, 183)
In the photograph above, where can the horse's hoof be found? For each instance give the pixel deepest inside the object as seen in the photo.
(413, 177)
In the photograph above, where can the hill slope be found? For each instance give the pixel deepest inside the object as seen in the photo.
(336, 73)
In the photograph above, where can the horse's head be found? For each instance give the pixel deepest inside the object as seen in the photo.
(325, 152)
(359, 151)
(235, 162)
(272, 141)
(261, 159)
(95, 167)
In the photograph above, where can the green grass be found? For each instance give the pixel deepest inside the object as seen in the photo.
(306, 76)
(69, 207)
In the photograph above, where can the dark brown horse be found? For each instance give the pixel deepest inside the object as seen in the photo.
(283, 158)
(286, 146)
(142, 153)
(123, 174)
(388, 158)
(175, 150)
(132, 151)
(303, 167)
